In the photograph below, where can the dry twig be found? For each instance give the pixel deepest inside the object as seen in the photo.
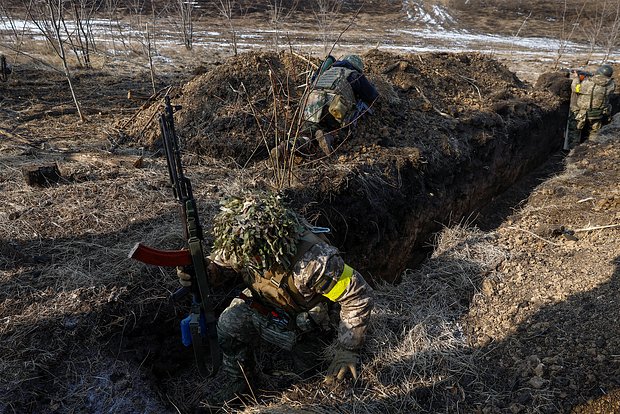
(597, 228)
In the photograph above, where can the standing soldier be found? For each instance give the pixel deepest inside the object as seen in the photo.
(590, 108)
(294, 279)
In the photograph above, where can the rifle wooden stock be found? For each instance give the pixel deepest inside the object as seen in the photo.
(157, 257)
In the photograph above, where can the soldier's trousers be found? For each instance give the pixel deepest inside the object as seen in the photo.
(240, 330)
(579, 124)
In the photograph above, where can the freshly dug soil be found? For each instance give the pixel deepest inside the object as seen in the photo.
(547, 325)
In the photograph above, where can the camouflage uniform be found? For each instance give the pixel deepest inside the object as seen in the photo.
(319, 274)
(590, 106)
(339, 96)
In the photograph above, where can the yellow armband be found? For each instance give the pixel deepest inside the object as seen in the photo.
(341, 285)
(578, 88)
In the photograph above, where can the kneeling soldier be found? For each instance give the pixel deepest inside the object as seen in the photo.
(293, 278)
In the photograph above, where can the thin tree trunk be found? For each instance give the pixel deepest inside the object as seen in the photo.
(62, 54)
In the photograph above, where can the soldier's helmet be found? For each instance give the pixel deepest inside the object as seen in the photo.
(356, 61)
(256, 230)
(605, 70)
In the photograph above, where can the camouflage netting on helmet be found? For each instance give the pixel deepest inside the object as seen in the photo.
(256, 230)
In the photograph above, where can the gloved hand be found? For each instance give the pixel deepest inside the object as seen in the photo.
(344, 361)
(185, 279)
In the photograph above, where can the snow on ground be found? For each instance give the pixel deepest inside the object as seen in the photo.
(432, 15)
(435, 34)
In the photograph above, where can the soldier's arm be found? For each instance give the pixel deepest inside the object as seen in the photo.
(322, 271)
(576, 85)
(356, 301)
(362, 88)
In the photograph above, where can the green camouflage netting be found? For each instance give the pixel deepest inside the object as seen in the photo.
(256, 230)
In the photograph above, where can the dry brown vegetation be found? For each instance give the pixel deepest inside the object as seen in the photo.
(517, 317)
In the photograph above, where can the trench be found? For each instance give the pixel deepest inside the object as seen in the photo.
(388, 229)
(384, 230)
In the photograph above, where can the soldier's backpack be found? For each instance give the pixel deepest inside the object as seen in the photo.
(333, 92)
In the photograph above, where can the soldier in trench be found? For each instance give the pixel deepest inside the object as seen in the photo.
(340, 94)
(590, 108)
(298, 294)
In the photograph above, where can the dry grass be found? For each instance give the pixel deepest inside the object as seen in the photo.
(67, 280)
(417, 355)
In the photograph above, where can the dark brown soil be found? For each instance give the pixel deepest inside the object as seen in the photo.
(445, 124)
(548, 323)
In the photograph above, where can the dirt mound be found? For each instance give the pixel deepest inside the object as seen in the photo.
(555, 82)
(222, 111)
(238, 108)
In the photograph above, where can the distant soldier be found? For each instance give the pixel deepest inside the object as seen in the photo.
(293, 279)
(590, 107)
(340, 95)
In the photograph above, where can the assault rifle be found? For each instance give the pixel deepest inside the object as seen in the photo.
(581, 73)
(201, 321)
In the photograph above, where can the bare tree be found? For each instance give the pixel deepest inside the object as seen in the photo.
(593, 27)
(567, 31)
(49, 17)
(111, 9)
(226, 9)
(278, 14)
(326, 15)
(602, 27)
(17, 30)
(136, 9)
(612, 38)
(78, 30)
(150, 56)
(83, 13)
(185, 8)
(9, 20)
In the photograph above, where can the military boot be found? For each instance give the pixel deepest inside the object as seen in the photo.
(325, 141)
(233, 392)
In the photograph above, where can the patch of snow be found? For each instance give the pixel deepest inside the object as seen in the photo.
(434, 15)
